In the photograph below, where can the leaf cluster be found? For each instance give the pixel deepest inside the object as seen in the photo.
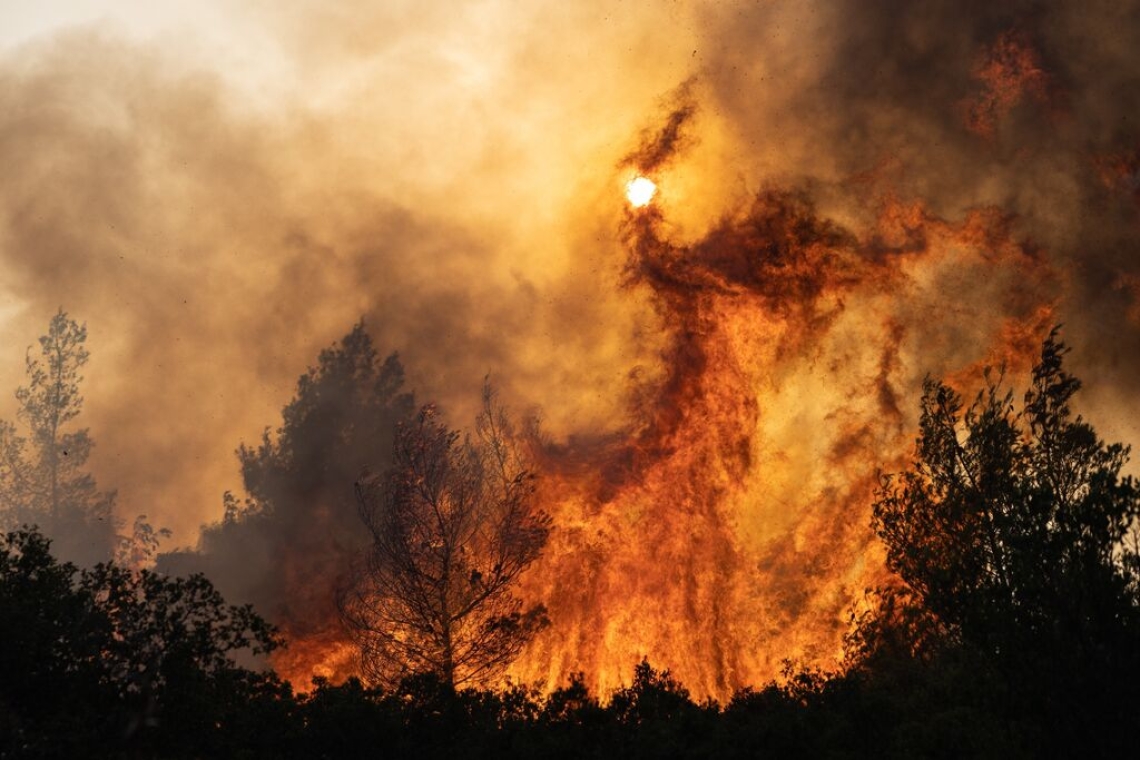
(115, 657)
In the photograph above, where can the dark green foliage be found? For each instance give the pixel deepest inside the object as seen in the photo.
(1010, 528)
(287, 546)
(1015, 635)
(425, 718)
(655, 717)
(1012, 523)
(49, 648)
(341, 420)
(653, 696)
(107, 660)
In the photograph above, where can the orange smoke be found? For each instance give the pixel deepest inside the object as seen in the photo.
(1009, 71)
(1120, 172)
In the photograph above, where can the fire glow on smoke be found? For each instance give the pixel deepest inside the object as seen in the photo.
(718, 539)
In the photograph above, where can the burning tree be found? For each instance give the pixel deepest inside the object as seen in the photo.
(453, 524)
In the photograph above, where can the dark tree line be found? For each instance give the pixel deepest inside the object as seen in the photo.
(100, 661)
(1015, 533)
(1013, 629)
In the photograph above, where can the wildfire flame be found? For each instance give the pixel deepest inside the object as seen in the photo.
(730, 530)
(726, 530)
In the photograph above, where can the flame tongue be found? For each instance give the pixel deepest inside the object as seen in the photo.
(730, 532)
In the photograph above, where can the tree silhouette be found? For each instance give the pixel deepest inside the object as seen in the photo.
(110, 662)
(139, 548)
(453, 525)
(341, 420)
(289, 543)
(42, 480)
(1010, 527)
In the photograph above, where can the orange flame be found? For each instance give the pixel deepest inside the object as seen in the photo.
(331, 656)
(727, 530)
(730, 530)
(1008, 71)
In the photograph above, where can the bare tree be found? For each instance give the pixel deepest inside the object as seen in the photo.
(453, 525)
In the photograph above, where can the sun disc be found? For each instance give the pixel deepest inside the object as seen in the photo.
(640, 191)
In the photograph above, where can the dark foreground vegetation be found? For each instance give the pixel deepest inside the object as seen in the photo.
(1013, 630)
(106, 664)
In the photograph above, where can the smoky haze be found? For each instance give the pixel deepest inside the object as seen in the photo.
(454, 178)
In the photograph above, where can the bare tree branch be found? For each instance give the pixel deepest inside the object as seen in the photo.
(454, 523)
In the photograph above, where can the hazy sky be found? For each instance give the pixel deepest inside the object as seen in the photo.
(220, 192)
(220, 189)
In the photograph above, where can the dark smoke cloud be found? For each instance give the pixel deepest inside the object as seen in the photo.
(664, 143)
(835, 89)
